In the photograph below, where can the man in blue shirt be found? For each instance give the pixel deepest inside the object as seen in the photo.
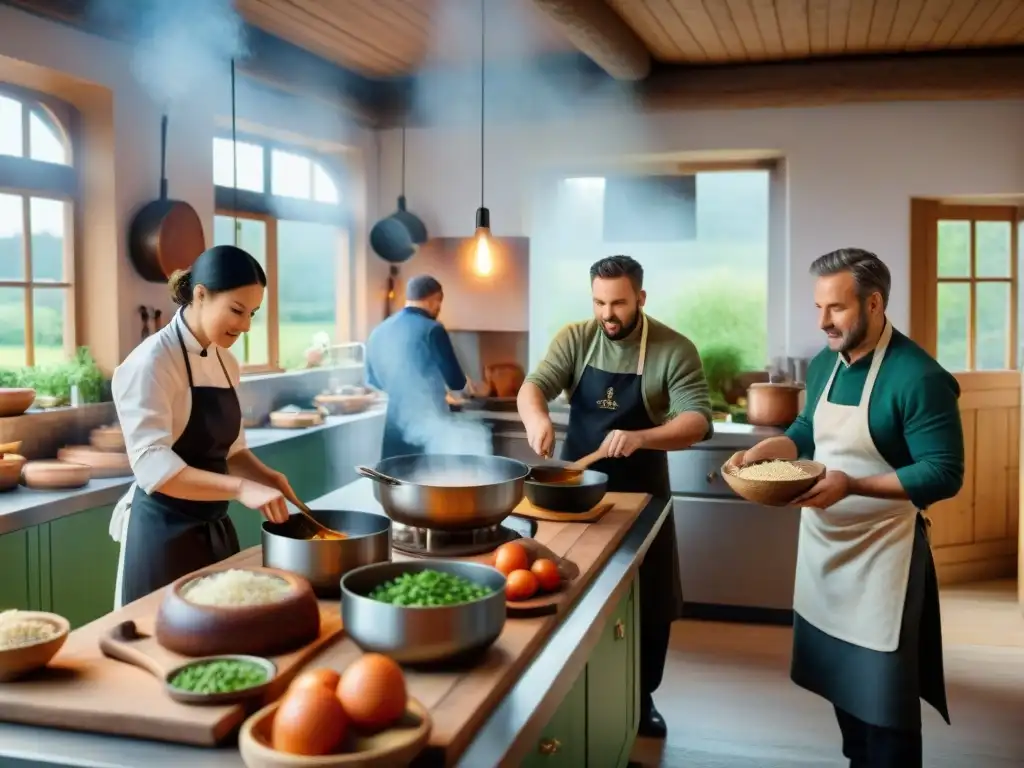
(410, 357)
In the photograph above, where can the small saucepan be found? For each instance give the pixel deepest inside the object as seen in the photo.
(581, 493)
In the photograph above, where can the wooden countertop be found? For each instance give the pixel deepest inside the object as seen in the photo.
(116, 698)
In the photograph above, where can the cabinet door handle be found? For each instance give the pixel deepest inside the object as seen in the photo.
(549, 746)
(620, 630)
(712, 476)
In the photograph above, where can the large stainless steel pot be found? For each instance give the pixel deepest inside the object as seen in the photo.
(288, 546)
(448, 491)
(422, 635)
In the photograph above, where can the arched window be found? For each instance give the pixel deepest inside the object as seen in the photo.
(37, 191)
(287, 206)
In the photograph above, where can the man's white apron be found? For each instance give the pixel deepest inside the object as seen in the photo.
(853, 562)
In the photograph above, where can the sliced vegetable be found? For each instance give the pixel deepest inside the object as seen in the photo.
(427, 589)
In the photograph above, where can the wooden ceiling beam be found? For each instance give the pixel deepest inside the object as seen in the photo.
(600, 34)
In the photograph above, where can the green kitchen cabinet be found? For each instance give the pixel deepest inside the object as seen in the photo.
(14, 571)
(563, 742)
(612, 692)
(78, 566)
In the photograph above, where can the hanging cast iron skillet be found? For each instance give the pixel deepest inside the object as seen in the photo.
(165, 235)
(395, 238)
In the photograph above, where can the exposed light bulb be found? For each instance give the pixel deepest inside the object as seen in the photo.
(483, 262)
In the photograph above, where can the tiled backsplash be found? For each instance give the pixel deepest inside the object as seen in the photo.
(43, 433)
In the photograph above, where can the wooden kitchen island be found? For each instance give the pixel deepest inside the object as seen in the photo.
(553, 690)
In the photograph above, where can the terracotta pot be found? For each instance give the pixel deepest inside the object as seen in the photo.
(773, 405)
(14, 402)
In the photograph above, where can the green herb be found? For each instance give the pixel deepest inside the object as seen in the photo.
(56, 380)
(222, 676)
(428, 588)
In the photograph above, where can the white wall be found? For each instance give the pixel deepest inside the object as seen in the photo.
(79, 66)
(852, 171)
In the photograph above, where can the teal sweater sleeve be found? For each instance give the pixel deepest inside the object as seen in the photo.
(801, 431)
(935, 439)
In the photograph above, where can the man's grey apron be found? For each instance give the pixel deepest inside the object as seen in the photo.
(867, 634)
(168, 538)
(601, 402)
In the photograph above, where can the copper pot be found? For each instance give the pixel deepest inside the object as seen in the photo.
(773, 405)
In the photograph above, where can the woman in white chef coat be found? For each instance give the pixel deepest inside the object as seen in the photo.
(182, 422)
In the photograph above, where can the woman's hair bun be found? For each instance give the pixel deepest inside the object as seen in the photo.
(181, 287)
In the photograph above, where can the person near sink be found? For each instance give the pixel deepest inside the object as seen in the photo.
(636, 389)
(410, 357)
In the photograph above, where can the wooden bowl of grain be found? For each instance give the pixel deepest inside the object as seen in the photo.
(774, 482)
(250, 611)
(28, 641)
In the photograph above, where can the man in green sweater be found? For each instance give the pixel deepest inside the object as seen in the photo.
(636, 390)
(882, 416)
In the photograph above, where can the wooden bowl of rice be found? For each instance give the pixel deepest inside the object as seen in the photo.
(29, 640)
(248, 611)
(774, 482)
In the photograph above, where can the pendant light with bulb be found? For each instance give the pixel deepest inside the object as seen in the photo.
(483, 260)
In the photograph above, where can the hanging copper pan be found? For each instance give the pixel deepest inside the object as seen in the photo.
(165, 235)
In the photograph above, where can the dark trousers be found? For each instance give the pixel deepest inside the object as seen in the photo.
(655, 630)
(871, 746)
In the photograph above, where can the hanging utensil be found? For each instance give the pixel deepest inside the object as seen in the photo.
(165, 235)
(144, 314)
(396, 237)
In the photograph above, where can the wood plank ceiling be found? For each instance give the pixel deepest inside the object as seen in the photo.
(382, 38)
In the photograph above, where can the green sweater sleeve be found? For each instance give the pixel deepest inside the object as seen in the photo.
(935, 439)
(555, 371)
(687, 385)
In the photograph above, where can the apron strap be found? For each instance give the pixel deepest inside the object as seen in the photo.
(184, 351)
(221, 361)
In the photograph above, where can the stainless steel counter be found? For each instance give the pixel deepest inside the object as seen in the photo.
(509, 733)
(24, 507)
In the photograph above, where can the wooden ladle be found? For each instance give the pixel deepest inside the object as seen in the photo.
(570, 474)
(322, 530)
(125, 643)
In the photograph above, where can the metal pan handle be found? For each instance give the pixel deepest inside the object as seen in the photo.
(377, 477)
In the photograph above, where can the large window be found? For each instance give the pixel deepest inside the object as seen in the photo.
(703, 243)
(289, 209)
(37, 188)
(964, 277)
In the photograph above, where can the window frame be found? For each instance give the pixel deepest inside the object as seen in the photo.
(925, 280)
(31, 179)
(270, 209)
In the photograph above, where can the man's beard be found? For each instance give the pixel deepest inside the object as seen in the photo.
(624, 330)
(856, 335)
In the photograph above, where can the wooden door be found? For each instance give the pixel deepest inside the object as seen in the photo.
(964, 310)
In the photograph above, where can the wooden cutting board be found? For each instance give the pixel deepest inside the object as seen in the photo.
(84, 690)
(592, 515)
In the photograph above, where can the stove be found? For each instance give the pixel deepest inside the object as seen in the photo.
(429, 542)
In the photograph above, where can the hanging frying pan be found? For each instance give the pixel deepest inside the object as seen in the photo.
(395, 238)
(165, 235)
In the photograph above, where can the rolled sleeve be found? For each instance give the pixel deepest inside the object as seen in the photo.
(687, 385)
(144, 409)
(554, 373)
(935, 439)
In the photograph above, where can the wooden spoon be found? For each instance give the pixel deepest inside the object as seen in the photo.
(321, 529)
(125, 643)
(14, 447)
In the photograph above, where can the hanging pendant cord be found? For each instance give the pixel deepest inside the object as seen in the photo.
(483, 51)
(234, 152)
(403, 159)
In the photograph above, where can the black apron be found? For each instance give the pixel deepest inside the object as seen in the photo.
(168, 538)
(601, 402)
(882, 689)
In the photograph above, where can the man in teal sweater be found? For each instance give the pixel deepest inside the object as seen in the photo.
(882, 416)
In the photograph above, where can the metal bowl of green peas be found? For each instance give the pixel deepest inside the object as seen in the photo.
(424, 611)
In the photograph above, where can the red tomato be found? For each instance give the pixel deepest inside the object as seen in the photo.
(520, 585)
(547, 574)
